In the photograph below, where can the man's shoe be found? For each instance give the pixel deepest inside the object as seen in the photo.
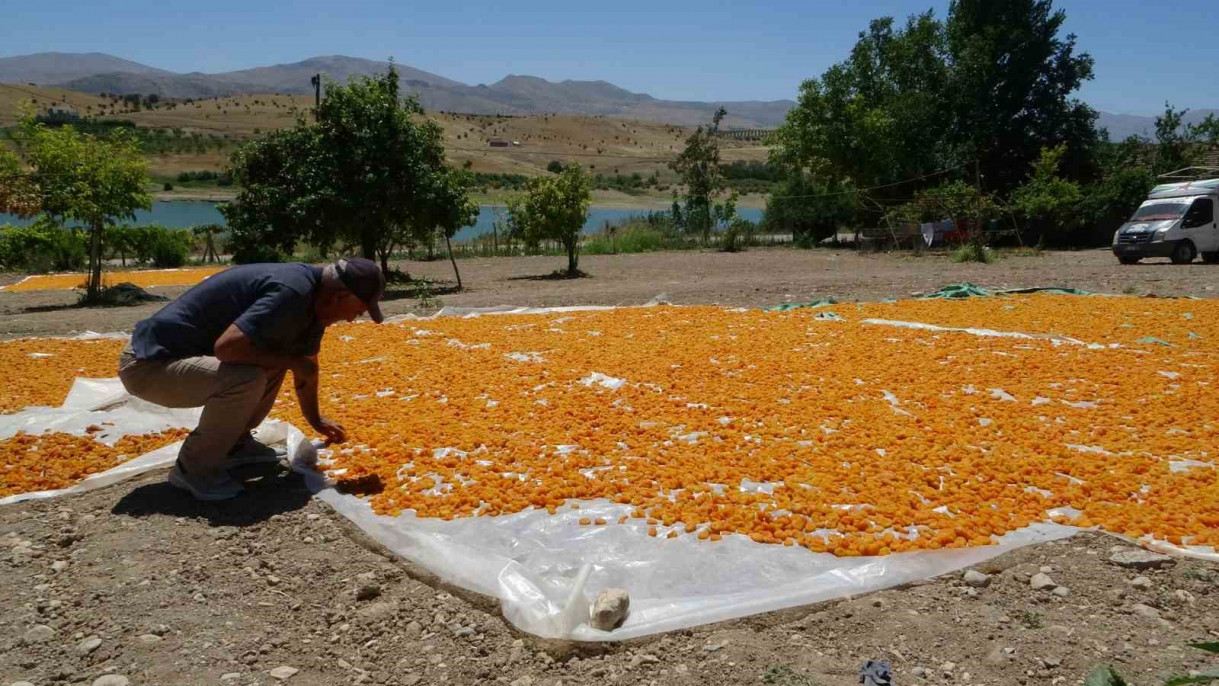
(205, 487)
(249, 450)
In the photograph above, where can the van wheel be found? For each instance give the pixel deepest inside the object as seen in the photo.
(1210, 257)
(1128, 260)
(1183, 253)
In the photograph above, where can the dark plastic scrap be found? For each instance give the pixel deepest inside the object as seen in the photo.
(875, 673)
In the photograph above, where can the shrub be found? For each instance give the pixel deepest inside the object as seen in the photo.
(974, 252)
(636, 236)
(159, 246)
(554, 167)
(168, 186)
(44, 246)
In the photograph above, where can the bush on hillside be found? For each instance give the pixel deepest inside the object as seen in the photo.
(43, 246)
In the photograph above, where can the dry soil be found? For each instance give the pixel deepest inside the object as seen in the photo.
(139, 581)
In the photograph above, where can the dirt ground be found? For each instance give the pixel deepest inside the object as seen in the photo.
(139, 581)
(756, 278)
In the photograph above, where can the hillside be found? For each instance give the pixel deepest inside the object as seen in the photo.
(515, 94)
(606, 145)
(1122, 126)
(60, 67)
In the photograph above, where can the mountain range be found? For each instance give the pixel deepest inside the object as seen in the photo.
(99, 73)
(514, 94)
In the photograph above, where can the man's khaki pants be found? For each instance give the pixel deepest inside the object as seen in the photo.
(235, 399)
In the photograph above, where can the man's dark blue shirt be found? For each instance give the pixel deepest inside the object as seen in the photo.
(273, 304)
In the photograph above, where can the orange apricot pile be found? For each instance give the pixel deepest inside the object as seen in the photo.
(839, 436)
(43, 462)
(40, 371)
(144, 279)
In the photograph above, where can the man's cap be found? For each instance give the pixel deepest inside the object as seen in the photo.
(363, 278)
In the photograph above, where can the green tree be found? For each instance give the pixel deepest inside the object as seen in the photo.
(93, 180)
(1011, 79)
(700, 170)
(878, 117)
(556, 209)
(448, 208)
(810, 210)
(358, 175)
(1125, 180)
(1048, 200)
(1175, 141)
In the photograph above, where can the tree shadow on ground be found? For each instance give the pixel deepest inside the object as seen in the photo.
(556, 275)
(270, 490)
(411, 293)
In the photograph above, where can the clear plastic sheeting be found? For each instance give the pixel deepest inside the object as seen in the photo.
(100, 402)
(545, 569)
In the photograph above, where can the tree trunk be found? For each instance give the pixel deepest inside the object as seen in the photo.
(368, 245)
(456, 273)
(93, 288)
(573, 256)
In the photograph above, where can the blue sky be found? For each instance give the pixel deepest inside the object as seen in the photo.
(1146, 52)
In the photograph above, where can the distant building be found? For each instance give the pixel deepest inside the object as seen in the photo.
(497, 143)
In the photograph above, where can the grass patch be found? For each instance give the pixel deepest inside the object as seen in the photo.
(1031, 620)
(632, 238)
(972, 252)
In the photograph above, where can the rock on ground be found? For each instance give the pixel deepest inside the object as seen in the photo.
(1137, 558)
(609, 609)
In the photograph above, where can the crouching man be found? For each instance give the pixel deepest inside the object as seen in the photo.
(225, 346)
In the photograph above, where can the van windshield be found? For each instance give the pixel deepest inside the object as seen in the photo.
(1159, 211)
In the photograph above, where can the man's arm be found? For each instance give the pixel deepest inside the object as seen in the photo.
(306, 380)
(235, 347)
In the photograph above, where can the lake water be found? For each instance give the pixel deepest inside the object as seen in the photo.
(187, 213)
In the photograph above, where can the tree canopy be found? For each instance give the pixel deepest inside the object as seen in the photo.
(369, 173)
(91, 180)
(555, 209)
(983, 91)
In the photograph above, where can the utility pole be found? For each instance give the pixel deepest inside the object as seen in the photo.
(316, 80)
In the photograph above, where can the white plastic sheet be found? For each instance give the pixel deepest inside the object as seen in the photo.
(545, 569)
(100, 402)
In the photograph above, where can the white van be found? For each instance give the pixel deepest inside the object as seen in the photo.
(1178, 221)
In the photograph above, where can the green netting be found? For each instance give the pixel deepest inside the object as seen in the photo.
(823, 302)
(1044, 289)
(957, 290)
(969, 290)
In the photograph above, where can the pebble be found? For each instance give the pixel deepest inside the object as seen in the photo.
(39, 633)
(1141, 582)
(149, 639)
(21, 683)
(59, 565)
(977, 579)
(523, 681)
(313, 517)
(1145, 611)
(609, 609)
(284, 673)
(1046, 569)
(230, 676)
(1062, 591)
(111, 680)
(1184, 596)
(88, 645)
(921, 672)
(1052, 662)
(1040, 581)
(1137, 558)
(948, 666)
(713, 647)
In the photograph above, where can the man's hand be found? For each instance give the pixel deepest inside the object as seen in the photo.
(333, 431)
